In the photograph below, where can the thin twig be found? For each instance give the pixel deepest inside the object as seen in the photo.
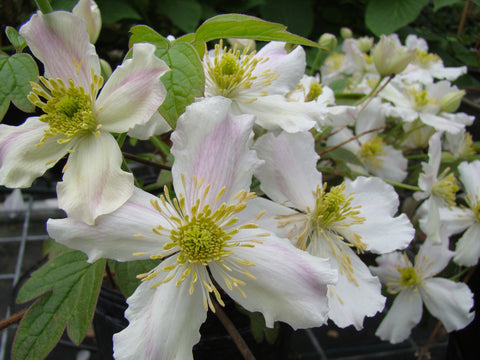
(232, 330)
(351, 139)
(12, 320)
(145, 161)
(463, 19)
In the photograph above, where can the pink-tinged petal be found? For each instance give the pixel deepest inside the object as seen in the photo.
(351, 300)
(448, 301)
(470, 177)
(290, 67)
(432, 257)
(94, 183)
(88, 10)
(290, 285)
(164, 322)
(118, 235)
(21, 160)
(157, 125)
(467, 251)
(289, 174)
(60, 41)
(403, 316)
(133, 92)
(382, 231)
(210, 143)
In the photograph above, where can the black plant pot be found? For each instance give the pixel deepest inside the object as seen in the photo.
(215, 342)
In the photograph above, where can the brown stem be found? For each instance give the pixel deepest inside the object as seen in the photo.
(109, 273)
(12, 320)
(347, 141)
(145, 161)
(463, 19)
(232, 330)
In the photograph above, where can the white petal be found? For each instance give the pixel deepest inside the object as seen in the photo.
(405, 314)
(164, 323)
(387, 269)
(118, 235)
(157, 125)
(88, 10)
(467, 251)
(382, 231)
(93, 183)
(21, 161)
(441, 124)
(432, 258)
(289, 173)
(470, 177)
(394, 165)
(350, 301)
(212, 144)
(448, 301)
(455, 219)
(290, 284)
(60, 41)
(133, 92)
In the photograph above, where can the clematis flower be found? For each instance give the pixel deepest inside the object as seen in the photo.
(257, 83)
(78, 122)
(205, 245)
(330, 223)
(415, 285)
(88, 10)
(466, 219)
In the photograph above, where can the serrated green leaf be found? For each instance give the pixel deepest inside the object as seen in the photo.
(16, 73)
(246, 27)
(438, 4)
(185, 14)
(15, 38)
(71, 287)
(386, 17)
(184, 82)
(126, 273)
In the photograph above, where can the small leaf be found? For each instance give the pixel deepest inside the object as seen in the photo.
(438, 4)
(385, 17)
(343, 155)
(15, 39)
(247, 27)
(126, 273)
(143, 33)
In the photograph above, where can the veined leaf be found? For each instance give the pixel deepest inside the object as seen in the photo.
(246, 27)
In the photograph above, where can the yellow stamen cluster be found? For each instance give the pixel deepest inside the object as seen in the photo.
(371, 150)
(421, 99)
(201, 236)
(424, 59)
(446, 187)
(314, 91)
(232, 72)
(409, 279)
(68, 109)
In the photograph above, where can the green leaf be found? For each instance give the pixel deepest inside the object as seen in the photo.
(385, 17)
(16, 72)
(113, 11)
(185, 14)
(438, 4)
(126, 273)
(70, 286)
(184, 82)
(297, 15)
(246, 27)
(15, 39)
(343, 155)
(143, 33)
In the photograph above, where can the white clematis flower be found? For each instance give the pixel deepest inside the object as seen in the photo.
(329, 223)
(78, 122)
(460, 219)
(205, 245)
(447, 300)
(257, 83)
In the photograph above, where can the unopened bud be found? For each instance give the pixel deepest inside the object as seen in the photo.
(390, 58)
(451, 101)
(364, 43)
(89, 11)
(328, 41)
(346, 33)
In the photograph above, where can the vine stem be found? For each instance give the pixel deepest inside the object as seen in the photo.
(351, 139)
(463, 19)
(12, 320)
(233, 332)
(145, 161)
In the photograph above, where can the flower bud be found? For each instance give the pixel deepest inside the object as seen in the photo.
(346, 33)
(327, 41)
(89, 11)
(390, 58)
(451, 101)
(364, 43)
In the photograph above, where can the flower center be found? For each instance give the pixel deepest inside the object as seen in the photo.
(68, 109)
(424, 59)
(314, 92)
(371, 150)
(446, 187)
(421, 100)
(231, 73)
(408, 277)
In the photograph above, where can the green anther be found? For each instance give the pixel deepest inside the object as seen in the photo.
(446, 187)
(409, 277)
(68, 110)
(371, 150)
(314, 92)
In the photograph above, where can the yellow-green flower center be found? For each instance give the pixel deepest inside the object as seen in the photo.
(68, 110)
(314, 91)
(408, 277)
(421, 100)
(424, 59)
(371, 150)
(446, 187)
